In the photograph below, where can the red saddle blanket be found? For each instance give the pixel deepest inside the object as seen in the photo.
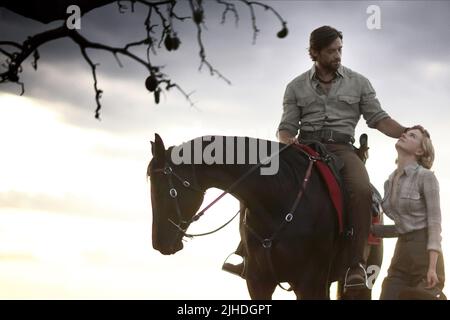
(333, 187)
(335, 192)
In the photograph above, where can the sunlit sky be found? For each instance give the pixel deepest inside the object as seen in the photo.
(75, 211)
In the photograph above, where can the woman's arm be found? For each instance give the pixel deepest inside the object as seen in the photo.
(432, 278)
(430, 189)
(432, 201)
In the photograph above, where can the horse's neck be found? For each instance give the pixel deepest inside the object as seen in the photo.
(260, 186)
(221, 176)
(248, 190)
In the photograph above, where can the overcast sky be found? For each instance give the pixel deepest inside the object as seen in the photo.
(60, 161)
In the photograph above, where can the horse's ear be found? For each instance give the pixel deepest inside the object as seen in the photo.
(153, 147)
(158, 150)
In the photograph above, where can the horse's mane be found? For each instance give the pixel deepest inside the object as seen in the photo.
(291, 162)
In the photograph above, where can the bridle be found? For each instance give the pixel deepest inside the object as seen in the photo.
(170, 173)
(266, 242)
(182, 224)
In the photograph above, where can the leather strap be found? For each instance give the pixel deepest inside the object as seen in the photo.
(327, 136)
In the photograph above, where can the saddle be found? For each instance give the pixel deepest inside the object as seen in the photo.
(335, 165)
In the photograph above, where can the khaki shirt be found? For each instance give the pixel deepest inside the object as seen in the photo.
(307, 107)
(416, 204)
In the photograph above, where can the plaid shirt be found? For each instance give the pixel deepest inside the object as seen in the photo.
(416, 204)
(307, 106)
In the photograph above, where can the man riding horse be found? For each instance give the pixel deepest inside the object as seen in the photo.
(325, 103)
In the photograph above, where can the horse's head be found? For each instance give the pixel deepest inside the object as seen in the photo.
(174, 198)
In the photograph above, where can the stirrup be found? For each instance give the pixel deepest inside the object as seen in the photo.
(235, 268)
(361, 285)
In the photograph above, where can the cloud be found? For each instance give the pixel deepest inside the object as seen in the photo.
(403, 49)
(66, 204)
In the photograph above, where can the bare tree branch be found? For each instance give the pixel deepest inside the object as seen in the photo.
(281, 34)
(197, 13)
(229, 7)
(14, 54)
(98, 93)
(253, 16)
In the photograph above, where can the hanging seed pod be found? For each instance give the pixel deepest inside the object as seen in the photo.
(175, 43)
(282, 33)
(151, 83)
(198, 16)
(168, 43)
(157, 95)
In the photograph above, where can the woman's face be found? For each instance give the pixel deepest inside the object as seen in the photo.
(411, 142)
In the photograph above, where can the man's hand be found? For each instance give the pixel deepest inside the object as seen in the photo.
(287, 138)
(390, 127)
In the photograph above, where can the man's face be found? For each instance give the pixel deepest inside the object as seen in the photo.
(329, 58)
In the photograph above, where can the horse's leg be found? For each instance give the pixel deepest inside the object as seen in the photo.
(313, 288)
(313, 283)
(260, 289)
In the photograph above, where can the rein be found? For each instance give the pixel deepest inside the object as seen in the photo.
(265, 242)
(169, 172)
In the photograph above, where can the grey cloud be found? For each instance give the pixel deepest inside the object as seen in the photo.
(258, 72)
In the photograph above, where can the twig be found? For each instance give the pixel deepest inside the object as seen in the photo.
(98, 93)
(229, 7)
(202, 53)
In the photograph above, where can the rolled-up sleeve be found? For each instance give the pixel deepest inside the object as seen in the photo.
(370, 106)
(291, 112)
(432, 201)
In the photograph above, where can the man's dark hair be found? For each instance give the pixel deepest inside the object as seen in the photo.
(321, 38)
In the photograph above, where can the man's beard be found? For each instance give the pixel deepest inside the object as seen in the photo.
(333, 66)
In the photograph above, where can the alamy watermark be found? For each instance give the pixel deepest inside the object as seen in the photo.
(229, 150)
(372, 274)
(74, 20)
(374, 20)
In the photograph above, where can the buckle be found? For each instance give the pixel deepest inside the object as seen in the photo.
(330, 139)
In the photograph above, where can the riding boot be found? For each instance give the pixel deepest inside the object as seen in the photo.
(356, 276)
(358, 208)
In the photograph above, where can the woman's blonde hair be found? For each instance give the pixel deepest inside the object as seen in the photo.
(427, 158)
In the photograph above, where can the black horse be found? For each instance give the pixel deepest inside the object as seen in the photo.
(303, 248)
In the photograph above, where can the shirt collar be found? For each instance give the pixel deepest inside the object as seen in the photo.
(312, 72)
(408, 170)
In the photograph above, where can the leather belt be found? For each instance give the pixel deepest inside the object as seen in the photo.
(416, 235)
(327, 136)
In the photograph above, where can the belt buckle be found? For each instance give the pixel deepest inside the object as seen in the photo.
(330, 139)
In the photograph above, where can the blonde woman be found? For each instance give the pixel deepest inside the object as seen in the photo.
(412, 201)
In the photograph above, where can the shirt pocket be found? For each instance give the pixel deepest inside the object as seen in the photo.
(305, 101)
(413, 202)
(346, 101)
(306, 104)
